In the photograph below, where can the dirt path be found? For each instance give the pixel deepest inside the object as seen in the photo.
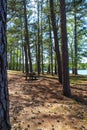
(39, 105)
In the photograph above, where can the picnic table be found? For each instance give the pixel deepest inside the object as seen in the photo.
(31, 75)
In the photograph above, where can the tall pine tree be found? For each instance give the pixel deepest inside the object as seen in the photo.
(4, 96)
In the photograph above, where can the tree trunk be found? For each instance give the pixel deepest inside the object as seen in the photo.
(58, 56)
(26, 59)
(75, 40)
(17, 60)
(55, 65)
(13, 59)
(51, 45)
(20, 59)
(22, 54)
(4, 96)
(42, 40)
(27, 35)
(22, 45)
(65, 60)
(48, 70)
(38, 48)
(10, 60)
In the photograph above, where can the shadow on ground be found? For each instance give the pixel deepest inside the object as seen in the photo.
(40, 105)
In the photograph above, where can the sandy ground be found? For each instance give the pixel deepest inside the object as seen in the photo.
(40, 105)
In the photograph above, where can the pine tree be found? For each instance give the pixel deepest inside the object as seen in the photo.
(65, 64)
(4, 96)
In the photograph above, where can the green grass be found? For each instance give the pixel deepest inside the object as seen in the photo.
(78, 79)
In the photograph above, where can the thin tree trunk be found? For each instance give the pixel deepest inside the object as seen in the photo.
(35, 40)
(75, 40)
(22, 58)
(38, 55)
(72, 57)
(26, 59)
(27, 35)
(41, 39)
(17, 60)
(13, 55)
(51, 49)
(48, 71)
(22, 45)
(11, 60)
(55, 65)
(4, 95)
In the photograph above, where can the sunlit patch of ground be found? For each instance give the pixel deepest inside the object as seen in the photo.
(40, 105)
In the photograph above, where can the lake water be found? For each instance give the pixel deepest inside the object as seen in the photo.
(82, 72)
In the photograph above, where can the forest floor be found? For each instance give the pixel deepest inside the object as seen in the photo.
(40, 105)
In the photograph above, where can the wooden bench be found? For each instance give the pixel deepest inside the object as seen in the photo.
(31, 75)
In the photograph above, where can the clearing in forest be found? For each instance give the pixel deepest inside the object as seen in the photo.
(40, 105)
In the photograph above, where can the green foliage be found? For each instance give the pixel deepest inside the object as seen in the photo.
(15, 29)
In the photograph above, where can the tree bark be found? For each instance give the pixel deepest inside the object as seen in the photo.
(27, 35)
(65, 60)
(75, 40)
(10, 67)
(42, 39)
(22, 45)
(51, 45)
(58, 56)
(38, 48)
(4, 95)
(26, 59)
